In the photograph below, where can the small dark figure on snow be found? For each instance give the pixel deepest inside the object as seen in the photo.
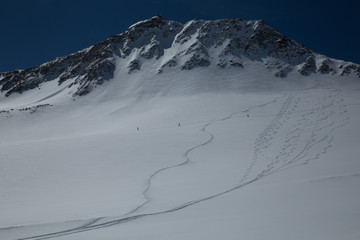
(137, 128)
(179, 124)
(248, 115)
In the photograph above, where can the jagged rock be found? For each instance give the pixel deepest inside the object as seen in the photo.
(101, 71)
(134, 65)
(308, 67)
(151, 51)
(222, 63)
(188, 30)
(235, 63)
(325, 68)
(279, 68)
(195, 61)
(171, 63)
(351, 68)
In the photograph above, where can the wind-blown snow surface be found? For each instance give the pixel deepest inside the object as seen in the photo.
(260, 158)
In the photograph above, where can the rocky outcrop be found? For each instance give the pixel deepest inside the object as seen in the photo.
(308, 67)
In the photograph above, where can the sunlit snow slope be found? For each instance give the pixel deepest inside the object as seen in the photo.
(198, 154)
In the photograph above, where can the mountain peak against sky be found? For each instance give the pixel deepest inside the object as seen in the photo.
(201, 129)
(155, 21)
(156, 45)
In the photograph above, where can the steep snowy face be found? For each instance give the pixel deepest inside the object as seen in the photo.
(227, 43)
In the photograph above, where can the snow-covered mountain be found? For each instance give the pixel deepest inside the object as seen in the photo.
(209, 130)
(169, 45)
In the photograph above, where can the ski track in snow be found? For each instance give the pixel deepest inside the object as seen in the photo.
(298, 131)
(187, 152)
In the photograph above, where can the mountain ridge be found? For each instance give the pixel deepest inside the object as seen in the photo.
(225, 43)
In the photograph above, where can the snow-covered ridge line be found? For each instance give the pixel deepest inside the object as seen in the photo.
(225, 44)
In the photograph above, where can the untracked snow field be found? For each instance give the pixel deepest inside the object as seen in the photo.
(269, 164)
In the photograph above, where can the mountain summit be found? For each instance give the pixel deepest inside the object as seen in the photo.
(172, 46)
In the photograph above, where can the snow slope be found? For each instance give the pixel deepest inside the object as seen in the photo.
(81, 169)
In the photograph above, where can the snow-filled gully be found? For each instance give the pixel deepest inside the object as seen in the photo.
(303, 121)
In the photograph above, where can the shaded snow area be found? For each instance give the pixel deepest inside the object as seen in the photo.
(232, 155)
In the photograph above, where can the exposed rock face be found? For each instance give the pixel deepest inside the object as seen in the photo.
(196, 60)
(350, 68)
(325, 68)
(223, 43)
(308, 67)
(85, 67)
(134, 65)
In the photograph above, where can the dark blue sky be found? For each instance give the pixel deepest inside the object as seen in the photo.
(35, 31)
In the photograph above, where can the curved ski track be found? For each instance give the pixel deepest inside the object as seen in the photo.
(306, 129)
(187, 152)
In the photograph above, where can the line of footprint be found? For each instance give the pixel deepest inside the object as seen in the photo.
(305, 130)
(314, 131)
(264, 140)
